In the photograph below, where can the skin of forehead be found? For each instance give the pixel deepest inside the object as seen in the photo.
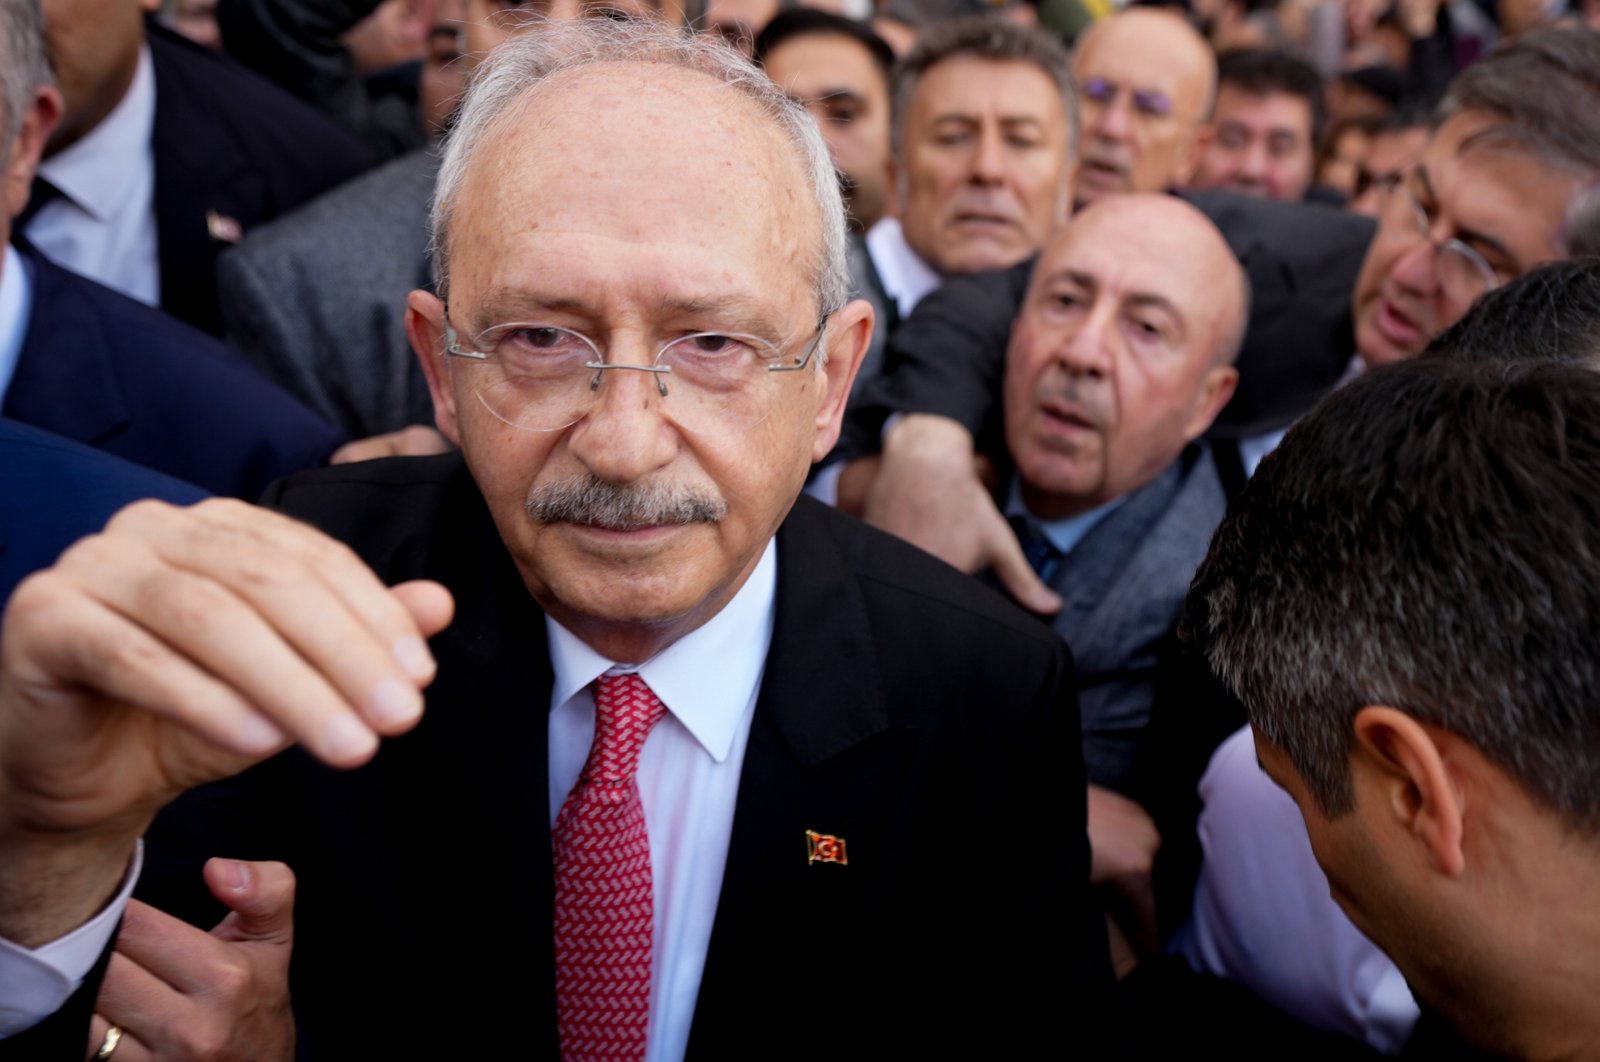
(630, 140)
(1158, 230)
(1160, 41)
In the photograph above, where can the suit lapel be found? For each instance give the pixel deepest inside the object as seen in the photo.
(66, 381)
(822, 757)
(204, 188)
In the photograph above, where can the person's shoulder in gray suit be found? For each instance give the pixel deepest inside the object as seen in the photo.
(317, 298)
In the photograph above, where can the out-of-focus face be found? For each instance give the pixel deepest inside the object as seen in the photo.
(94, 49)
(738, 21)
(1260, 145)
(985, 173)
(1503, 203)
(1117, 357)
(847, 92)
(1341, 168)
(1144, 82)
(491, 22)
(588, 214)
(1389, 153)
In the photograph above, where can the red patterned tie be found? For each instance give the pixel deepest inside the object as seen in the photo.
(604, 909)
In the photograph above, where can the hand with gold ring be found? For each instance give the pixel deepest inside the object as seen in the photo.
(173, 992)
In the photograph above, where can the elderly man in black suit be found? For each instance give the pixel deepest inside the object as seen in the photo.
(788, 765)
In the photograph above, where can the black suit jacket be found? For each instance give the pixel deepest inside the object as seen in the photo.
(102, 369)
(231, 146)
(902, 708)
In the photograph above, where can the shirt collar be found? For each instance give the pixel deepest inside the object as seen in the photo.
(708, 678)
(906, 277)
(1067, 532)
(90, 172)
(16, 301)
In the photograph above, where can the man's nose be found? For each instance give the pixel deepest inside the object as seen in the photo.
(1416, 269)
(988, 159)
(1087, 351)
(627, 433)
(1115, 120)
(1252, 164)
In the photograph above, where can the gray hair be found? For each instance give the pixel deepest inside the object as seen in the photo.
(1447, 566)
(518, 70)
(23, 66)
(1546, 89)
(981, 38)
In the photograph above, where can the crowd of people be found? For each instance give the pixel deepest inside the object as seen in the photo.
(622, 529)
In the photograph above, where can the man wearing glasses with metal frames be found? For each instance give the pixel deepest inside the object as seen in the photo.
(1146, 81)
(1499, 189)
(698, 761)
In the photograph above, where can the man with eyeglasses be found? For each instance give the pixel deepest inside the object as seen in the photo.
(1146, 80)
(702, 766)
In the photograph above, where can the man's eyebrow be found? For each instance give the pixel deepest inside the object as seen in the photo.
(1071, 276)
(836, 94)
(1465, 235)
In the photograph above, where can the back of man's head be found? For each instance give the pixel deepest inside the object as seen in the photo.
(1428, 538)
(1548, 314)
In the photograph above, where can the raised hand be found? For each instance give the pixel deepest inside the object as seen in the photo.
(177, 647)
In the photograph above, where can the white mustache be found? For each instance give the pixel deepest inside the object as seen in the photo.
(592, 502)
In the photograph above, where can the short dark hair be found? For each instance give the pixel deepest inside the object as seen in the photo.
(1551, 313)
(982, 38)
(1268, 71)
(811, 22)
(1427, 538)
(1545, 87)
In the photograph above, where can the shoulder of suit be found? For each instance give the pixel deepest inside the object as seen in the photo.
(899, 576)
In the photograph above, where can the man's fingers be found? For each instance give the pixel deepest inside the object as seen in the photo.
(260, 897)
(291, 619)
(429, 603)
(137, 999)
(1011, 565)
(129, 1048)
(180, 957)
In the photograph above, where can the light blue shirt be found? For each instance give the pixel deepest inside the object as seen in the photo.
(1067, 532)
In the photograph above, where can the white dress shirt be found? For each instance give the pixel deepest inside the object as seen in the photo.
(1263, 916)
(103, 225)
(906, 278)
(688, 776)
(16, 302)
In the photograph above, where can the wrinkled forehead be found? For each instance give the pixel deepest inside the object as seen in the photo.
(1150, 248)
(634, 155)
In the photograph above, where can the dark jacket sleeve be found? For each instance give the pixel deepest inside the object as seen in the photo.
(948, 357)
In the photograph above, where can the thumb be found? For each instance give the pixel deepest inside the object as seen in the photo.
(1023, 583)
(261, 897)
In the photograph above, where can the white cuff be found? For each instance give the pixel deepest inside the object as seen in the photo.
(34, 984)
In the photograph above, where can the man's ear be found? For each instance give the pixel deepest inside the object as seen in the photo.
(849, 333)
(1417, 786)
(39, 120)
(1191, 158)
(425, 329)
(1216, 387)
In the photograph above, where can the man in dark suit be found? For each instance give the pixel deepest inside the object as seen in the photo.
(821, 808)
(87, 363)
(168, 153)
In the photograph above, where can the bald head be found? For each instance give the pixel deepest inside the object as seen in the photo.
(1123, 351)
(1146, 81)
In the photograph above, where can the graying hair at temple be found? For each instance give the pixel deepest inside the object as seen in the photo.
(22, 62)
(513, 74)
(1546, 87)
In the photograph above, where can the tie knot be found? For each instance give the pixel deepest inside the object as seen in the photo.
(625, 710)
